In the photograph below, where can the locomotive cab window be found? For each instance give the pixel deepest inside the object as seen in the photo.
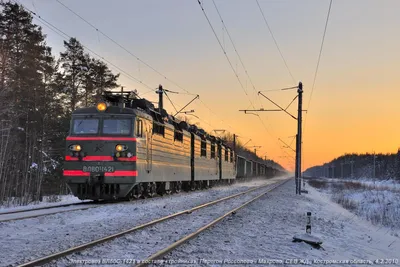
(139, 128)
(203, 148)
(231, 156)
(85, 126)
(226, 155)
(213, 150)
(117, 126)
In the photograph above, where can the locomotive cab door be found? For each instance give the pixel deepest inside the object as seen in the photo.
(149, 152)
(220, 160)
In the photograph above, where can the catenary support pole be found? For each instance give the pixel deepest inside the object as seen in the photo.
(299, 137)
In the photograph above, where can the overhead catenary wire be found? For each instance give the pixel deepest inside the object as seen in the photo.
(276, 43)
(112, 40)
(142, 61)
(66, 36)
(241, 62)
(317, 67)
(237, 53)
(233, 69)
(224, 51)
(319, 56)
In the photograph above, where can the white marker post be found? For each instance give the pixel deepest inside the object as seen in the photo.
(308, 225)
(307, 237)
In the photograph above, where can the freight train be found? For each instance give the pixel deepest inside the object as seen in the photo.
(125, 148)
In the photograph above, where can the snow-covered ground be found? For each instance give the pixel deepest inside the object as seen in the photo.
(47, 202)
(264, 231)
(261, 232)
(144, 242)
(376, 201)
(29, 239)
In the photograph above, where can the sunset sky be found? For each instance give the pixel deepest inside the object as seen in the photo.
(354, 105)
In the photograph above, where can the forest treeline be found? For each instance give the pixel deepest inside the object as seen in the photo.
(38, 92)
(376, 166)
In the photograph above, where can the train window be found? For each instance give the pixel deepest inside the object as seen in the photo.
(86, 126)
(231, 156)
(158, 128)
(226, 155)
(203, 148)
(178, 136)
(139, 128)
(213, 150)
(117, 126)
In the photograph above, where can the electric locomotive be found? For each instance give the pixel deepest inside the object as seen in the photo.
(125, 148)
(100, 160)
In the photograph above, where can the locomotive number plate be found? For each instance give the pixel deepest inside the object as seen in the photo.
(98, 169)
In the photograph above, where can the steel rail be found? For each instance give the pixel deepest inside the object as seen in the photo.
(176, 244)
(57, 255)
(44, 208)
(98, 204)
(50, 213)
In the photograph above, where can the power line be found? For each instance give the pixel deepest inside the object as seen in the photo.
(317, 67)
(66, 36)
(320, 53)
(118, 44)
(233, 69)
(276, 43)
(226, 55)
(237, 53)
(137, 58)
(123, 48)
(241, 61)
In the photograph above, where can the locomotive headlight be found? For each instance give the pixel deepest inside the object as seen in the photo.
(117, 154)
(129, 155)
(75, 148)
(120, 148)
(101, 106)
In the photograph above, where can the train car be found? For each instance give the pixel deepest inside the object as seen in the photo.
(205, 160)
(228, 171)
(124, 148)
(240, 167)
(163, 150)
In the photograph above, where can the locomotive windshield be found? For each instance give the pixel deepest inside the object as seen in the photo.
(85, 126)
(117, 126)
(102, 126)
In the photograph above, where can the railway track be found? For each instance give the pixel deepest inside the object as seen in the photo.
(42, 211)
(43, 208)
(59, 255)
(33, 213)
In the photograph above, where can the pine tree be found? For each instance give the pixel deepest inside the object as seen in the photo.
(74, 70)
(25, 85)
(98, 79)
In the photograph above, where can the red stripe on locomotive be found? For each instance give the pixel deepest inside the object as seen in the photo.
(98, 138)
(116, 173)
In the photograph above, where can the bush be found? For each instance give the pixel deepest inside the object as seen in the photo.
(379, 204)
(318, 184)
